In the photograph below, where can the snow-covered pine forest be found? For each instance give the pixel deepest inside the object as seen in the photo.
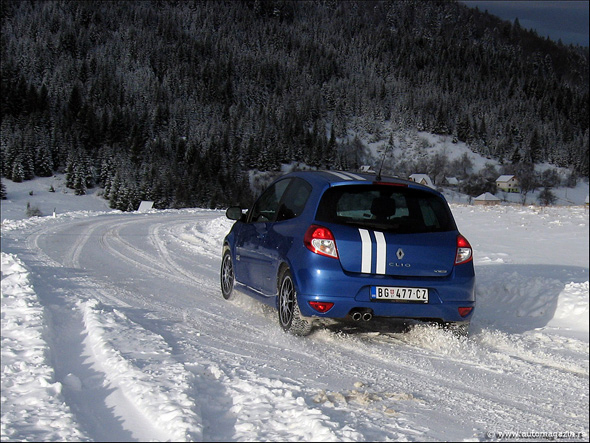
(176, 101)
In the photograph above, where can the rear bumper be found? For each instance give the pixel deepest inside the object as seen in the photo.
(445, 312)
(329, 283)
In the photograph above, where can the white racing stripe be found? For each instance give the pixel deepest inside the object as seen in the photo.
(367, 251)
(381, 252)
(339, 175)
(346, 175)
(354, 176)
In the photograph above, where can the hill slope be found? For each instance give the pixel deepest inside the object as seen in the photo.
(176, 101)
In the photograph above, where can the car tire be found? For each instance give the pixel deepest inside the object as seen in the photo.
(227, 276)
(290, 317)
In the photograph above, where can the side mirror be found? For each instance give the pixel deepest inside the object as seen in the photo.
(234, 213)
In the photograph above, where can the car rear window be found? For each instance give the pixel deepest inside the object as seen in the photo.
(387, 208)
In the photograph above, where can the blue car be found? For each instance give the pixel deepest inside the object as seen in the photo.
(350, 247)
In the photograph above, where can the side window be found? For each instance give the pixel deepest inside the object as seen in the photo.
(265, 208)
(293, 202)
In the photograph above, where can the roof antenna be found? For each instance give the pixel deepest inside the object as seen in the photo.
(389, 146)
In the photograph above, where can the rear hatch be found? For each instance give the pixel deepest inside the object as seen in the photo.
(404, 255)
(382, 229)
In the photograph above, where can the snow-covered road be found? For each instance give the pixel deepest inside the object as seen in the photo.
(135, 343)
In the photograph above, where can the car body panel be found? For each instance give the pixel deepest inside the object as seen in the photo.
(253, 263)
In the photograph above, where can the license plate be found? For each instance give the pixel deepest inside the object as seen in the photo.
(414, 295)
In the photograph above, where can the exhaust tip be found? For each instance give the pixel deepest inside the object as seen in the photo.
(359, 314)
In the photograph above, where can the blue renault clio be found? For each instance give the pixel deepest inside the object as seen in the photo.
(352, 247)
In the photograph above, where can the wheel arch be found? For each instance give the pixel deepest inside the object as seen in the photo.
(284, 264)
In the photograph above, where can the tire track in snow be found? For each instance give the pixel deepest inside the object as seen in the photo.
(161, 264)
(112, 242)
(76, 323)
(26, 365)
(64, 331)
(72, 258)
(246, 395)
(139, 364)
(158, 241)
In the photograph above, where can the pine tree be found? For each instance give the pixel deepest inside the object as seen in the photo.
(533, 154)
(330, 151)
(516, 157)
(18, 171)
(3, 195)
(10, 149)
(79, 181)
(70, 171)
(464, 133)
(74, 105)
(113, 194)
(43, 161)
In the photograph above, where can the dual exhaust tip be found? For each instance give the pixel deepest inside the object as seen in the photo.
(358, 315)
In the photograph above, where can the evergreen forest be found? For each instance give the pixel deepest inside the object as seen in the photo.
(178, 102)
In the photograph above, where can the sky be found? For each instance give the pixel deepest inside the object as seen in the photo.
(114, 329)
(563, 19)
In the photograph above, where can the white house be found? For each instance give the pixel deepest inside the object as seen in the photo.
(508, 183)
(486, 199)
(452, 181)
(423, 179)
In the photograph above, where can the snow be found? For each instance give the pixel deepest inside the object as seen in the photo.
(486, 196)
(114, 329)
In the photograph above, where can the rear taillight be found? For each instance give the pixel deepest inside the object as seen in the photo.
(321, 306)
(464, 312)
(464, 251)
(321, 241)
